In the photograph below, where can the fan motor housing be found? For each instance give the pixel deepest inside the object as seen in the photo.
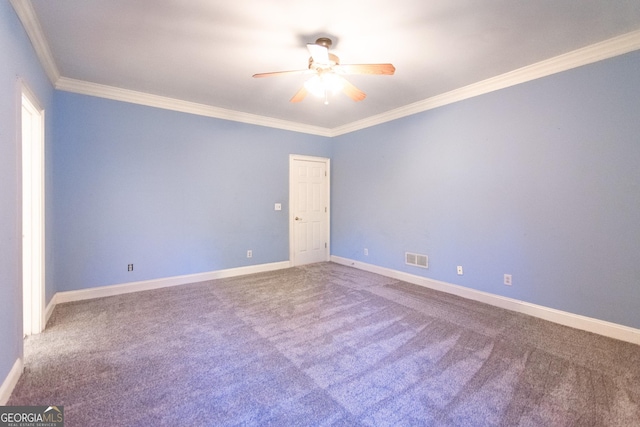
(333, 60)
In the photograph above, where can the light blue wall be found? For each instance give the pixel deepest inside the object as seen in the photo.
(541, 181)
(17, 62)
(172, 193)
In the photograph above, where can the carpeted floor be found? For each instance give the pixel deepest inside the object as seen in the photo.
(322, 345)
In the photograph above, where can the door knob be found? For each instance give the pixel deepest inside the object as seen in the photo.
(298, 219)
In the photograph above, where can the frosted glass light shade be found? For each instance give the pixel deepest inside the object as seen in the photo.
(320, 84)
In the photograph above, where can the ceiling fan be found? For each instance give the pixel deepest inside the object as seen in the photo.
(327, 73)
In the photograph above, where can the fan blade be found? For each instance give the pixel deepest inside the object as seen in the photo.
(320, 54)
(279, 73)
(299, 96)
(351, 91)
(380, 69)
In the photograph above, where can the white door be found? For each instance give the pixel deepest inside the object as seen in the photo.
(309, 209)
(32, 214)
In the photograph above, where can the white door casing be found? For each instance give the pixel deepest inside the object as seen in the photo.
(32, 143)
(308, 209)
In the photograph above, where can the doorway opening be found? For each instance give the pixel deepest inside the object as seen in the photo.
(32, 141)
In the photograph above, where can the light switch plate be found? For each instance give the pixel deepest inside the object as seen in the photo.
(278, 207)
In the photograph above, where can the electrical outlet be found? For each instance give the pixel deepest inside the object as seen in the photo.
(249, 253)
(130, 267)
(459, 270)
(507, 279)
(366, 252)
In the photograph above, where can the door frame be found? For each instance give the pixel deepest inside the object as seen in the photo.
(32, 252)
(292, 197)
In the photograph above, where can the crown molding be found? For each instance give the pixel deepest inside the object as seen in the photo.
(31, 24)
(150, 100)
(597, 52)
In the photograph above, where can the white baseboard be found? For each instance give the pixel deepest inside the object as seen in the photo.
(10, 382)
(125, 288)
(48, 311)
(601, 327)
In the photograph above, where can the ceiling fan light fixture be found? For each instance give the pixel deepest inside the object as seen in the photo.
(328, 73)
(322, 84)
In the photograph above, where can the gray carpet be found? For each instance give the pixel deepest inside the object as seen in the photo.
(322, 345)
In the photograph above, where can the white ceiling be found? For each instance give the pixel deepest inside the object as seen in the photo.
(205, 51)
